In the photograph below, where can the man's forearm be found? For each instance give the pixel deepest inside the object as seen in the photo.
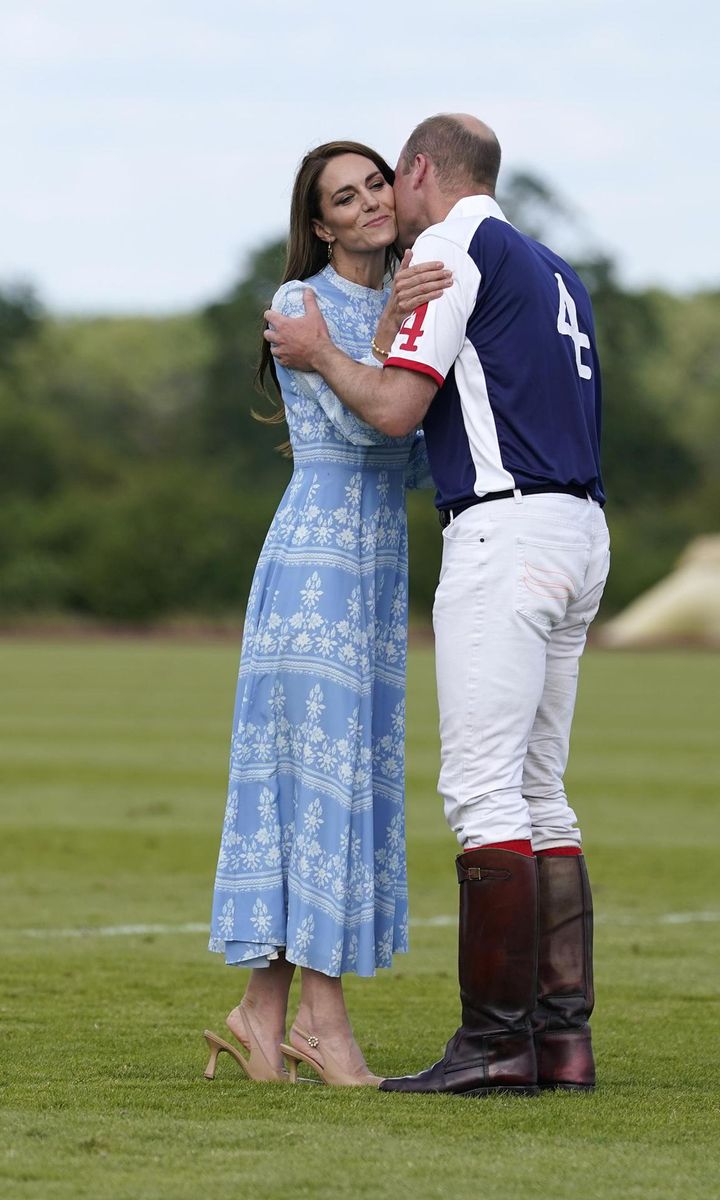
(394, 401)
(359, 387)
(379, 397)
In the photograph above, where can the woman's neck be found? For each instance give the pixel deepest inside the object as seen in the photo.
(367, 270)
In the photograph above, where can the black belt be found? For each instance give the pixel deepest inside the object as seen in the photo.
(568, 489)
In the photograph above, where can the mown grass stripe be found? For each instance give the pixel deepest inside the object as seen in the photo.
(439, 922)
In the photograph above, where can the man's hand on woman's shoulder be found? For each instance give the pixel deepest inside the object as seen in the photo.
(299, 342)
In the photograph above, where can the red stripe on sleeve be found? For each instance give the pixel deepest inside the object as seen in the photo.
(423, 368)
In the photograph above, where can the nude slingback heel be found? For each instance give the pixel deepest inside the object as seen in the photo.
(255, 1065)
(324, 1066)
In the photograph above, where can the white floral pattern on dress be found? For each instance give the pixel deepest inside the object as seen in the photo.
(312, 856)
(226, 918)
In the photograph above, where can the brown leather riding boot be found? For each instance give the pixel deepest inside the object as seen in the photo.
(565, 975)
(492, 1051)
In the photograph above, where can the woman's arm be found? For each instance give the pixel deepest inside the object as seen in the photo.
(411, 287)
(309, 385)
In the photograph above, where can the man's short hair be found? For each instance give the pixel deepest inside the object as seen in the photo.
(460, 155)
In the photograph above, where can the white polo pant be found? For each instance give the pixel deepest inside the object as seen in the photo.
(520, 582)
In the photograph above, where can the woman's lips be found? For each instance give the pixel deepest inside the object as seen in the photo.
(376, 221)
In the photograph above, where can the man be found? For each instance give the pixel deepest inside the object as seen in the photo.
(503, 373)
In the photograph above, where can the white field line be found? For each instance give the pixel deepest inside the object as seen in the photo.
(94, 931)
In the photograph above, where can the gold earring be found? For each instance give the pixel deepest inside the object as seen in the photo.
(330, 252)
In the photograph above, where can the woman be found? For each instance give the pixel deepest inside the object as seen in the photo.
(311, 869)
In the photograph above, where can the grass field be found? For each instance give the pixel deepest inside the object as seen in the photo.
(113, 759)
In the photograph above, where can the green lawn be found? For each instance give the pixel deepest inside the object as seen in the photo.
(113, 762)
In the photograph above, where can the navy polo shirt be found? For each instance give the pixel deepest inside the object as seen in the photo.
(511, 346)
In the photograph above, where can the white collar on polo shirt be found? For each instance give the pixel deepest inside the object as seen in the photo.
(476, 206)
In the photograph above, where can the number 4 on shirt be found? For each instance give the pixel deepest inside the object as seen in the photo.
(567, 324)
(412, 329)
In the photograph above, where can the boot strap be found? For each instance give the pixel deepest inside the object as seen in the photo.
(477, 873)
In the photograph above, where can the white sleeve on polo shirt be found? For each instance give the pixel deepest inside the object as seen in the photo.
(432, 336)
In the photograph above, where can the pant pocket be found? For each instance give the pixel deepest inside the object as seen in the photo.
(549, 575)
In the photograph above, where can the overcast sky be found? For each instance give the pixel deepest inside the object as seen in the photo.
(148, 146)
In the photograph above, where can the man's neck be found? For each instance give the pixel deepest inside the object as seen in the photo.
(442, 204)
(436, 208)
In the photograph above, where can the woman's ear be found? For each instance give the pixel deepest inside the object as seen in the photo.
(322, 232)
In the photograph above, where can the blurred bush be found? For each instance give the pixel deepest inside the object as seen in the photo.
(135, 483)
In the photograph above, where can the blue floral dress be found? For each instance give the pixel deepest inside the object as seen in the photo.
(312, 856)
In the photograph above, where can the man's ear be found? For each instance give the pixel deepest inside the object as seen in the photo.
(421, 167)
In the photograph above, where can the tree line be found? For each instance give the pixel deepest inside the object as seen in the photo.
(136, 484)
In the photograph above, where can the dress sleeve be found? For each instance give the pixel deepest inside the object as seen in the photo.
(289, 301)
(417, 471)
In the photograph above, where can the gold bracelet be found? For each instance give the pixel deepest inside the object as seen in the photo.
(383, 353)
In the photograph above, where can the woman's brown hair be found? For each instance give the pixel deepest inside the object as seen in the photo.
(306, 253)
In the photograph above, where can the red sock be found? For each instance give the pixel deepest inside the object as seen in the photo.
(559, 852)
(518, 846)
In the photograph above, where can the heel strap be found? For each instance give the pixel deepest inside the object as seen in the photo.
(310, 1038)
(254, 1047)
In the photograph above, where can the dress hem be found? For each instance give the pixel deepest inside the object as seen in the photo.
(254, 962)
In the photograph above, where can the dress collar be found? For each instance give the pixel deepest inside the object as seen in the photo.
(347, 286)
